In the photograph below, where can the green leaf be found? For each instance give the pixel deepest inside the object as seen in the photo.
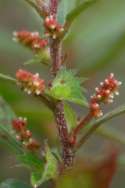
(67, 87)
(36, 178)
(32, 161)
(79, 9)
(6, 114)
(6, 77)
(70, 116)
(11, 183)
(8, 137)
(50, 169)
(41, 57)
(64, 7)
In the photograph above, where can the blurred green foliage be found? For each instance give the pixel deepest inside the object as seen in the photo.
(97, 38)
(11, 183)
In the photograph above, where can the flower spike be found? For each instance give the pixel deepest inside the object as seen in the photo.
(104, 94)
(24, 135)
(30, 83)
(53, 28)
(31, 40)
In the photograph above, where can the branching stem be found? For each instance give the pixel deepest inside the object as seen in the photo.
(38, 7)
(93, 126)
(83, 122)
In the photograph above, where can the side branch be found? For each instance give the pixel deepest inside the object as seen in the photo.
(76, 12)
(83, 122)
(37, 7)
(43, 98)
(93, 126)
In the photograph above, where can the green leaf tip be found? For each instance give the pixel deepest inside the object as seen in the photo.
(79, 9)
(50, 170)
(6, 77)
(70, 116)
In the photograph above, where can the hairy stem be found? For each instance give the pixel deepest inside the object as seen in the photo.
(67, 154)
(55, 50)
(93, 126)
(53, 7)
(56, 58)
(64, 136)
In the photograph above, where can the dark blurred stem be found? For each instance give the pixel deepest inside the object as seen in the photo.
(93, 126)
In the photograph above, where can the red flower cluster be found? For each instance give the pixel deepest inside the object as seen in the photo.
(31, 40)
(24, 135)
(31, 83)
(53, 28)
(105, 93)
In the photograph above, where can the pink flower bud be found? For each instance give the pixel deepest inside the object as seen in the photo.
(105, 94)
(31, 40)
(19, 124)
(31, 83)
(53, 28)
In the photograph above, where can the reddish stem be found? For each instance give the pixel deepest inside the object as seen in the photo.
(64, 136)
(80, 126)
(53, 7)
(55, 50)
(56, 57)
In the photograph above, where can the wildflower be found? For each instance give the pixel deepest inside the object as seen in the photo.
(32, 144)
(53, 28)
(30, 83)
(24, 135)
(104, 94)
(31, 40)
(19, 124)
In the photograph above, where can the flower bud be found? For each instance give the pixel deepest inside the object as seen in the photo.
(104, 94)
(30, 83)
(31, 40)
(53, 28)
